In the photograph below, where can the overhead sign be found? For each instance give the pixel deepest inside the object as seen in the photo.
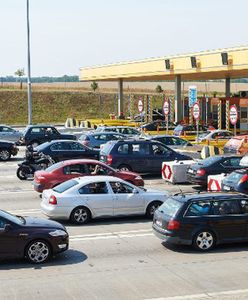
(192, 95)
(140, 105)
(196, 111)
(233, 115)
(166, 107)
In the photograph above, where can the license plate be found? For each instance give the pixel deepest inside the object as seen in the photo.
(190, 171)
(159, 223)
(102, 157)
(226, 188)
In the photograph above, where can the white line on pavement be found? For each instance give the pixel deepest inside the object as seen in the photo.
(25, 211)
(203, 295)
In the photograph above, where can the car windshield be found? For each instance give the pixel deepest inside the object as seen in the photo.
(65, 186)
(15, 219)
(54, 167)
(170, 207)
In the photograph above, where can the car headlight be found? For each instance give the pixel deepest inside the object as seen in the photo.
(58, 233)
(138, 178)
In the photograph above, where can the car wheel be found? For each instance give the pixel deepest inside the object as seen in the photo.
(38, 251)
(80, 215)
(124, 168)
(5, 154)
(152, 207)
(204, 240)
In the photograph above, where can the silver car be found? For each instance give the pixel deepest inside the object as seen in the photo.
(9, 134)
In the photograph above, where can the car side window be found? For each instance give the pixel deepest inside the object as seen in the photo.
(123, 149)
(74, 169)
(36, 130)
(159, 150)
(94, 188)
(226, 207)
(140, 149)
(121, 188)
(234, 161)
(7, 129)
(56, 147)
(198, 208)
(76, 146)
(2, 223)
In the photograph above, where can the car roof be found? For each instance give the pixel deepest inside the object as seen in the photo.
(97, 178)
(208, 196)
(40, 125)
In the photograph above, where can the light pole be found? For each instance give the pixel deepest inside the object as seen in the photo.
(29, 73)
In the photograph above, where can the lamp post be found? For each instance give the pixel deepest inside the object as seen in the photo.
(29, 73)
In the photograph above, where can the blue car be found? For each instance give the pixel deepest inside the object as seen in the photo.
(141, 156)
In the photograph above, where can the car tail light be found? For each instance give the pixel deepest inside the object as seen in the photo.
(201, 172)
(53, 200)
(173, 225)
(243, 179)
(109, 159)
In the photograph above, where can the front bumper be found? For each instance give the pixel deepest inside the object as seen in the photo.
(60, 244)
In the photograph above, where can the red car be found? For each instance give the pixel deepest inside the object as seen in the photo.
(69, 169)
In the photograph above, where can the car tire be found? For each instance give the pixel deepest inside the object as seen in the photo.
(38, 251)
(124, 168)
(80, 215)
(151, 208)
(204, 240)
(5, 154)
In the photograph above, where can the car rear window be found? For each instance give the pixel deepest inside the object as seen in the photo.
(235, 177)
(210, 160)
(170, 207)
(54, 167)
(107, 148)
(65, 186)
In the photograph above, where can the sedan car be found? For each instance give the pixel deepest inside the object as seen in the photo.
(7, 149)
(215, 137)
(198, 173)
(65, 149)
(126, 130)
(65, 170)
(84, 198)
(95, 140)
(9, 134)
(202, 220)
(236, 181)
(33, 238)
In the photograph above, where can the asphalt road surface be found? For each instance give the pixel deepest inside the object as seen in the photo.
(118, 258)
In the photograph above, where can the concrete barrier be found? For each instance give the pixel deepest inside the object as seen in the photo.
(176, 171)
(215, 182)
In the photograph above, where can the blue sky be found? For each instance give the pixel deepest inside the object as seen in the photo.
(67, 35)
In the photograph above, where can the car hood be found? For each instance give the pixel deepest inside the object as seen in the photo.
(40, 222)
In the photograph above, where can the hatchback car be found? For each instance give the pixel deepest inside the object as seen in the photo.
(142, 156)
(7, 149)
(202, 220)
(236, 181)
(84, 198)
(198, 173)
(33, 238)
(96, 140)
(9, 134)
(65, 170)
(63, 149)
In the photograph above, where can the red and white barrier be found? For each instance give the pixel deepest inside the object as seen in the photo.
(215, 181)
(176, 171)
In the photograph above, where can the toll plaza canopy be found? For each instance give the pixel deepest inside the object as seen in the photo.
(215, 64)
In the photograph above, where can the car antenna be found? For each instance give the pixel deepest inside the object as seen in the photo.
(181, 192)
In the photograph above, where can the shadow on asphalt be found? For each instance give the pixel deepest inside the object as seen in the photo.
(109, 221)
(224, 248)
(69, 257)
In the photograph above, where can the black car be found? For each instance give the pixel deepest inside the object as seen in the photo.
(202, 220)
(171, 140)
(63, 149)
(7, 149)
(37, 134)
(198, 173)
(154, 126)
(236, 181)
(141, 156)
(33, 238)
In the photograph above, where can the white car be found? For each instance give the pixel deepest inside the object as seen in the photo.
(215, 134)
(84, 198)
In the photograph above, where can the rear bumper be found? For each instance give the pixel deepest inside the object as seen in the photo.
(166, 236)
(196, 180)
(54, 212)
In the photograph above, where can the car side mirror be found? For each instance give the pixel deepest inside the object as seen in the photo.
(135, 191)
(7, 227)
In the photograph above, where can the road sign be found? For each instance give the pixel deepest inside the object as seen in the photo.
(192, 95)
(140, 105)
(166, 107)
(196, 111)
(233, 115)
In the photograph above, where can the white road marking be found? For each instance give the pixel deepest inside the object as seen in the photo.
(15, 191)
(204, 295)
(25, 211)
